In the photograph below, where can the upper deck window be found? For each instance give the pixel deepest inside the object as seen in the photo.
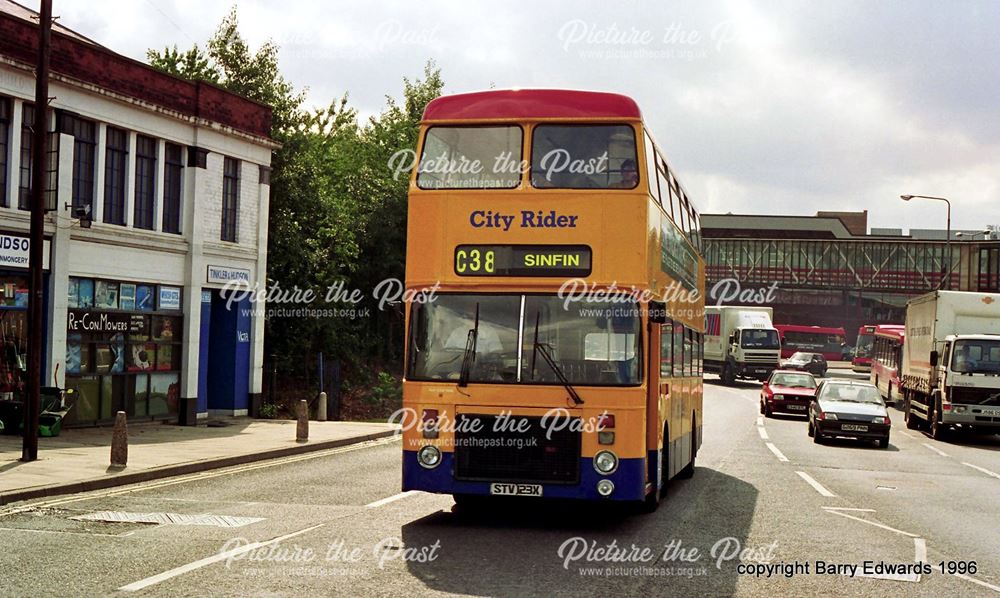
(584, 157)
(471, 158)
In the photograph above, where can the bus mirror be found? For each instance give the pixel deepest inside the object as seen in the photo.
(657, 312)
(934, 359)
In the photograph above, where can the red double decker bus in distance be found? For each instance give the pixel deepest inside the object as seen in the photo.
(862, 360)
(812, 339)
(887, 359)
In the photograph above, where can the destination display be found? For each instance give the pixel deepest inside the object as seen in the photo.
(522, 260)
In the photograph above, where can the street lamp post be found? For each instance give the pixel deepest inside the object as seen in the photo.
(947, 272)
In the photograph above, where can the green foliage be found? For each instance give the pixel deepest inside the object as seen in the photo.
(337, 214)
(268, 411)
(387, 389)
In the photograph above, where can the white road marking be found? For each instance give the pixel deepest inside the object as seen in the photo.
(389, 499)
(816, 485)
(907, 434)
(760, 420)
(222, 556)
(920, 546)
(978, 581)
(911, 577)
(886, 527)
(935, 449)
(849, 509)
(762, 432)
(986, 471)
(194, 477)
(776, 452)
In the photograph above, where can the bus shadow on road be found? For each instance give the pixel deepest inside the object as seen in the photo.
(519, 547)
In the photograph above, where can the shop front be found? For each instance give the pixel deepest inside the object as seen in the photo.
(123, 350)
(14, 334)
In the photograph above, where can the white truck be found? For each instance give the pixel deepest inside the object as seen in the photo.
(740, 342)
(951, 362)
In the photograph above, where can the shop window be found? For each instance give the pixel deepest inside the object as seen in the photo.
(105, 295)
(115, 163)
(164, 389)
(145, 182)
(134, 362)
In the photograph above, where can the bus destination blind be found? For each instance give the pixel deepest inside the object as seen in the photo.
(522, 260)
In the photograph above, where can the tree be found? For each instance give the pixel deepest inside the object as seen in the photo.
(338, 213)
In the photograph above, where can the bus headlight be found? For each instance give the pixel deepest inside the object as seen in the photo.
(605, 488)
(605, 462)
(429, 456)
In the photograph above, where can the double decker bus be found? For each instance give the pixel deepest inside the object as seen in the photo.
(887, 360)
(559, 352)
(812, 339)
(862, 360)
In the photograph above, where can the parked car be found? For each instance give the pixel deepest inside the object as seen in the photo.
(787, 391)
(849, 408)
(814, 363)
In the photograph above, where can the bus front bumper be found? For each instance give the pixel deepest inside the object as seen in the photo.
(628, 479)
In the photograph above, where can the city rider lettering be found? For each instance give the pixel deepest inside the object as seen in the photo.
(487, 219)
(529, 219)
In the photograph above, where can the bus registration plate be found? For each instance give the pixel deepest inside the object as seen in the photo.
(516, 489)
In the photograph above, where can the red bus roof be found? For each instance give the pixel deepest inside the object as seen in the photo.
(868, 329)
(896, 331)
(800, 328)
(531, 103)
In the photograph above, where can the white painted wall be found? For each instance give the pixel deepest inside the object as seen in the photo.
(125, 253)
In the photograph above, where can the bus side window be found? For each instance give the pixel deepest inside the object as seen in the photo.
(688, 352)
(678, 350)
(651, 167)
(666, 349)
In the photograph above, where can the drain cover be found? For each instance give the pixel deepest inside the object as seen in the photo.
(169, 519)
(60, 520)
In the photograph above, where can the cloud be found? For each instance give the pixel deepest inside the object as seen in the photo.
(779, 106)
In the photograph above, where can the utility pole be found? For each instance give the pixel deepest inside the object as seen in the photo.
(29, 450)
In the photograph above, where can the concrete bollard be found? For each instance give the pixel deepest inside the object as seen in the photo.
(321, 407)
(119, 442)
(302, 428)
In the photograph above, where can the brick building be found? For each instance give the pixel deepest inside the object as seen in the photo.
(158, 195)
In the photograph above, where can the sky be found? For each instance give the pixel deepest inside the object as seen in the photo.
(762, 107)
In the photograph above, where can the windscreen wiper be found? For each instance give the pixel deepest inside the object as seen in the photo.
(543, 349)
(470, 352)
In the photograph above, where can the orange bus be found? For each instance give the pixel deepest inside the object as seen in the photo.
(555, 345)
(887, 360)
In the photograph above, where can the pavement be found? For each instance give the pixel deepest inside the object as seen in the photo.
(78, 459)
